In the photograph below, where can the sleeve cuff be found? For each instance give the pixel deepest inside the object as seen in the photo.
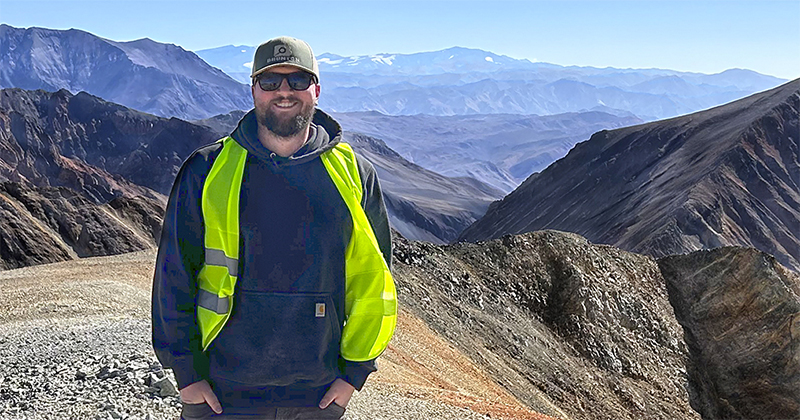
(190, 370)
(356, 373)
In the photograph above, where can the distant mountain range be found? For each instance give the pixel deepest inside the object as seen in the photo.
(485, 155)
(498, 149)
(726, 176)
(166, 80)
(463, 81)
(161, 79)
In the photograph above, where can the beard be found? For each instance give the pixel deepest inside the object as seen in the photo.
(285, 126)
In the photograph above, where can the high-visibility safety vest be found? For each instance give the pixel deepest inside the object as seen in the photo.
(370, 297)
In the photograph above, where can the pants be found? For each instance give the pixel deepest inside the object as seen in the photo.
(204, 412)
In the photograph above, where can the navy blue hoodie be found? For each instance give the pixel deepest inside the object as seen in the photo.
(275, 350)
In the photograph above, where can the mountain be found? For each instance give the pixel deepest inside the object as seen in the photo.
(422, 204)
(527, 94)
(162, 79)
(450, 60)
(83, 177)
(464, 81)
(166, 80)
(99, 149)
(51, 224)
(235, 60)
(726, 176)
(498, 149)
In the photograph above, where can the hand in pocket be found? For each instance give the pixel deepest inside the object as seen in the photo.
(200, 392)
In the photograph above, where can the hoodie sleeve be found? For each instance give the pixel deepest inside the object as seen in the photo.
(375, 208)
(176, 336)
(356, 373)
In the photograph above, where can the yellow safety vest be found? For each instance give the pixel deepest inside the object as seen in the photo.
(370, 297)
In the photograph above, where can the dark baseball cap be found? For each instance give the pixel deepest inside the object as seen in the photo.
(285, 51)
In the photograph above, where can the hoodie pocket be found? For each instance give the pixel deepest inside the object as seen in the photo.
(278, 339)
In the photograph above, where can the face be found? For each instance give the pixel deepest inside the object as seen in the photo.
(285, 112)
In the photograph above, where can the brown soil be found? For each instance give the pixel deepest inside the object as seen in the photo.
(421, 365)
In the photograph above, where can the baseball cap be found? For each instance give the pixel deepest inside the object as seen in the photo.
(284, 51)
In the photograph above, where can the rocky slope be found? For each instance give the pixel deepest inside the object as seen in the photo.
(161, 79)
(586, 331)
(572, 329)
(49, 224)
(726, 176)
(543, 322)
(740, 311)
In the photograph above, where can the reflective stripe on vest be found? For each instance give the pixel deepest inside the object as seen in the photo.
(370, 296)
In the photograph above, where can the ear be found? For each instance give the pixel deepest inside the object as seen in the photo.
(317, 89)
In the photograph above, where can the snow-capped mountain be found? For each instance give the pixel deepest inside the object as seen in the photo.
(465, 81)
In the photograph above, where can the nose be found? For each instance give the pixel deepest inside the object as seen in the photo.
(284, 86)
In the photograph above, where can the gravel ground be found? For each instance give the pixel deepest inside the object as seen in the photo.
(101, 368)
(91, 368)
(75, 344)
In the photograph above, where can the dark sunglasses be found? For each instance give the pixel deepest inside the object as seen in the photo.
(297, 81)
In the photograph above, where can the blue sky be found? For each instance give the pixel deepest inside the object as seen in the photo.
(701, 36)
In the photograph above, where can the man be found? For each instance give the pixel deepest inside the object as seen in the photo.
(273, 238)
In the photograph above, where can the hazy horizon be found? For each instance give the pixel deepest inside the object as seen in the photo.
(689, 36)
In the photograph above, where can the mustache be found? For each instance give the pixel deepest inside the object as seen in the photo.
(285, 97)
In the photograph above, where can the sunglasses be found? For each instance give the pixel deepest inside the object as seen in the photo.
(297, 81)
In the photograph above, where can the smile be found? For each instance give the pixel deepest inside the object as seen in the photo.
(285, 105)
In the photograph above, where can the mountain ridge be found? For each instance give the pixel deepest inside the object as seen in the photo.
(725, 176)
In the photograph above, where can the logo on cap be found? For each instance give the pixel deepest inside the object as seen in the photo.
(282, 50)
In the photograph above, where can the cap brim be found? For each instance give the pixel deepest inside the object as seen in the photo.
(285, 64)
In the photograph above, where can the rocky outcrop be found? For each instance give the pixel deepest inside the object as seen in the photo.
(572, 329)
(47, 224)
(726, 176)
(740, 311)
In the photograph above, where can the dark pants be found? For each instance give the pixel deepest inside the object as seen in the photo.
(203, 412)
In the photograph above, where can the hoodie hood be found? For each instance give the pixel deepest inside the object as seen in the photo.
(324, 134)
